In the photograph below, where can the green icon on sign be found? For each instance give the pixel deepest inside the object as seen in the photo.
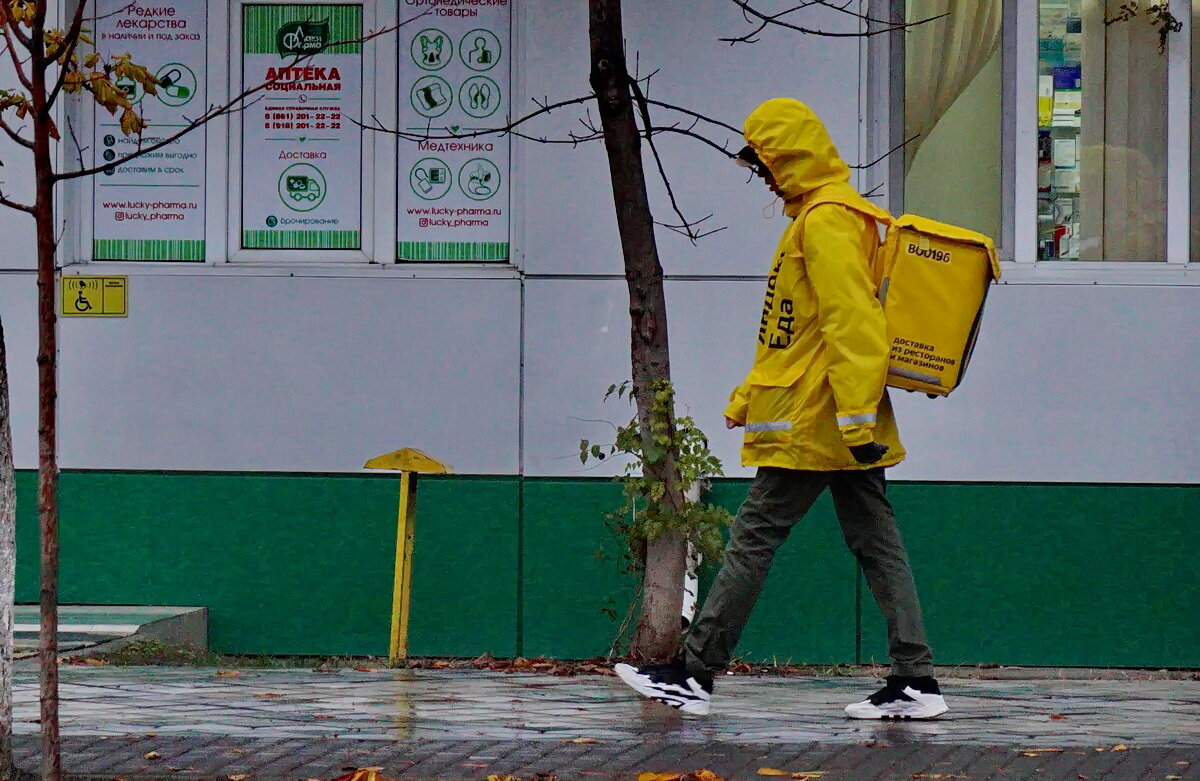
(110, 140)
(431, 49)
(302, 187)
(479, 179)
(479, 50)
(272, 221)
(479, 96)
(431, 96)
(430, 179)
(176, 84)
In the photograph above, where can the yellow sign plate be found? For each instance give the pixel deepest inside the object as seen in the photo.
(85, 296)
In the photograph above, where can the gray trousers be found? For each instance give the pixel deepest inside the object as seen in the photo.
(778, 499)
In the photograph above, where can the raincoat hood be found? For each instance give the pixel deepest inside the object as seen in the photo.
(792, 142)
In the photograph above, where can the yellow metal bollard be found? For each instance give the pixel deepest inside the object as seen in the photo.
(409, 463)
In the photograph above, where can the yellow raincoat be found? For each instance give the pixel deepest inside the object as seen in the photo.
(817, 386)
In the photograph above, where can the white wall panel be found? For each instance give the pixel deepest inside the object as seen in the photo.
(18, 311)
(569, 227)
(294, 374)
(17, 250)
(576, 345)
(1068, 383)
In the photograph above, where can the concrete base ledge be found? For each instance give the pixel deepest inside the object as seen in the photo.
(90, 626)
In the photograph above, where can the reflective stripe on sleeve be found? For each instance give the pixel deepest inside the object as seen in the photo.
(856, 420)
(775, 425)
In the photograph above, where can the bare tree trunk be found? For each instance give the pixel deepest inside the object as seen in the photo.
(47, 360)
(8, 563)
(658, 628)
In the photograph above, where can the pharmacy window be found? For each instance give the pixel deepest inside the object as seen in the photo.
(1110, 79)
(291, 175)
(1061, 127)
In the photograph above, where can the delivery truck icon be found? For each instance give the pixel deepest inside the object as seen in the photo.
(302, 187)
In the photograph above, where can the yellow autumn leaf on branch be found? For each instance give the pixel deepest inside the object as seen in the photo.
(131, 123)
(22, 11)
(107, 94)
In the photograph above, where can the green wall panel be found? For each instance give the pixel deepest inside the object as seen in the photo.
(805, 614)
(573, 570)
(1072, 575)
(286, 564)
(1053, 575)
(465, 567)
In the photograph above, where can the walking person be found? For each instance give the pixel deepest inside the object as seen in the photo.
(816, 415)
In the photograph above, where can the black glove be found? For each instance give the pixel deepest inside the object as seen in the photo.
(869, 453)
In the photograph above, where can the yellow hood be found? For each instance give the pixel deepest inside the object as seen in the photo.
(793, 143)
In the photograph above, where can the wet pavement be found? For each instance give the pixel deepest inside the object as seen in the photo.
(469, 724)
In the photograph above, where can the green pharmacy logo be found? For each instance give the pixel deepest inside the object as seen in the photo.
(302, 38)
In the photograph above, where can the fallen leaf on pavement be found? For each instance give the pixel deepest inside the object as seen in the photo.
(699, 775)
(1174, 778)
(503, 778)
(1057, 717)
(1033, 752)
(774, 771)
(94, 662)
(152, 755)
(239, 777)
(227, 673)
(266, 696)
(364, 774)
(1120, 747)
(583, 740)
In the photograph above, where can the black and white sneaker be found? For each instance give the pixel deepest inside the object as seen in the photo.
(670, 684)
(902, 698)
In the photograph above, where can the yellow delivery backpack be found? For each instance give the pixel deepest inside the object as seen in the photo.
(935, 280)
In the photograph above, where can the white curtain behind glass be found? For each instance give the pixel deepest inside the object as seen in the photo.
(942, 58)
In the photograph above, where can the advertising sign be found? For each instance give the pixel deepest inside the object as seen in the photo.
(454, 79)
(301, 154)
(152, 208)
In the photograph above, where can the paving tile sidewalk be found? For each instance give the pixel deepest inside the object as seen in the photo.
(469, 724)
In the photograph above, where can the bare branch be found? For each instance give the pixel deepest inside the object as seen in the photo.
(22, 38)
(686, 226)
(690, 134)
(79, 149)
(13, 134)
(5, 201)
(690, 113)
(887, 154)
(70, 43)
(543, 108)
(10, 31)
(766, 20)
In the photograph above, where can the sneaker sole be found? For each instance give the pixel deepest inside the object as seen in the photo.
(922, 716)
(630, 677)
